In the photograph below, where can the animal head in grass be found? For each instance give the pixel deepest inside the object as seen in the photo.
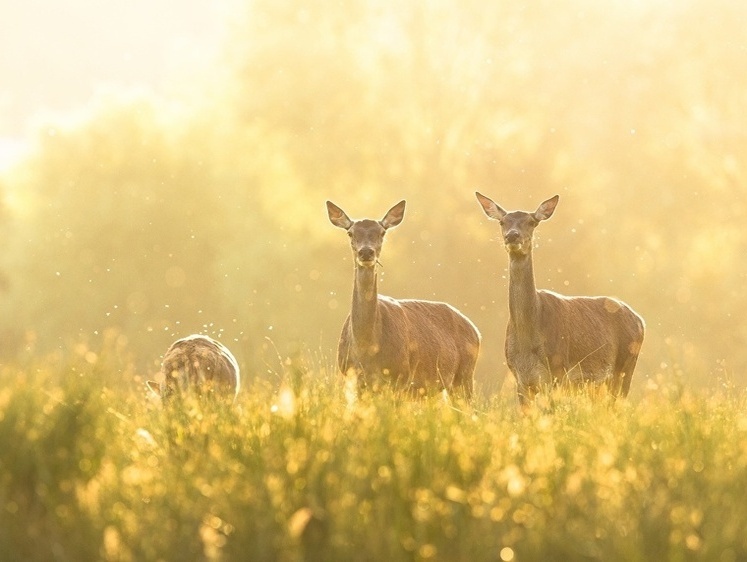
(197, 365)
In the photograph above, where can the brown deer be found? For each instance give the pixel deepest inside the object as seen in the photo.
(200, 365)
(417, 346)
(552, 339)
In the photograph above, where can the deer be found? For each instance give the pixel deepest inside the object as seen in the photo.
(418, 347)
(553, 340)
(198, 365)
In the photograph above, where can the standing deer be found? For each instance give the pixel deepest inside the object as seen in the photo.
(200, 365)
(413, 345)
(555, 340)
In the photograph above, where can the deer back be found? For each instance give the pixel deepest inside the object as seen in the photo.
(586, 338)
(421, 344)
(200, 364)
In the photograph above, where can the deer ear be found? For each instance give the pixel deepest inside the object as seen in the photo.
(394, 215)
(337, 216)
(154, 387)
(546, 209)
(490, 207)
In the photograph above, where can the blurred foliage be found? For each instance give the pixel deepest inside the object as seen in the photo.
(158, 220)
(297, 471)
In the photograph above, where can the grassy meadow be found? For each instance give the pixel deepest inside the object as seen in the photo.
(194, 202)
(300, 470)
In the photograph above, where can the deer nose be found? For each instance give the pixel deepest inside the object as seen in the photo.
(513, 237)
(366, 254)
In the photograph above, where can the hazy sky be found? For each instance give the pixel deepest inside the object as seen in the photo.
(54, 54)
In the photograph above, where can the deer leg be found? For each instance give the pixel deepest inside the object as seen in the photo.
(526, 395)
(462, 387)
(463, 383)
(628, 375)
(620, 385)
(467, 386)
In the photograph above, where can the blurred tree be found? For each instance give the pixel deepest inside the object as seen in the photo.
(378, 101)
(631, 111)
(4, 235)
(370, 103)
(125, 230)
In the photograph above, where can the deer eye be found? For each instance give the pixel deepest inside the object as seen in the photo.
(350, 234)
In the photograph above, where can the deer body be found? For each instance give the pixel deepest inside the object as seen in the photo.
(200, 365)
(413, 345)
(552, 339)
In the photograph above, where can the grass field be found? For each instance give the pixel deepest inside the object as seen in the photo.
(298, 471)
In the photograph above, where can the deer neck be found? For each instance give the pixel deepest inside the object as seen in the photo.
(364, 316)
(523, 303)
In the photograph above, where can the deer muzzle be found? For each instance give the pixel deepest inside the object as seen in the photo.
(366, 256)
(512, 237)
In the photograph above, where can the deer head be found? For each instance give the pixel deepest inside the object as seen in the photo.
(517, 227)
(366, 236)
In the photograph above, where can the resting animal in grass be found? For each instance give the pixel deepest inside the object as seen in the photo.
(197, 365)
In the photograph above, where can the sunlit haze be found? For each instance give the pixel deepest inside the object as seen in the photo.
(173, 159)
(205, 167)
(55, 55)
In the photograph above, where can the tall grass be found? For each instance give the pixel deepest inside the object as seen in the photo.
(297, 470)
